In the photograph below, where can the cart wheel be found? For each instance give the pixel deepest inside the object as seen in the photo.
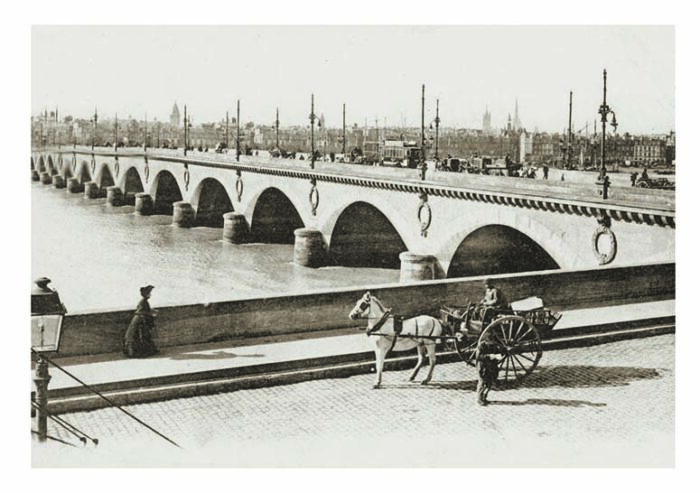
(517, 343)
(466, 348)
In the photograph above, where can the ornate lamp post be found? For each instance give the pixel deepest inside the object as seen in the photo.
(436, 121)
(238, 130)
(47, 321)
(343, 131)
(185, 123)
(116, 131)
(423, 164)
(604, 111)
(94, 128)
(312, 119)
(277, 129)
(145, 132)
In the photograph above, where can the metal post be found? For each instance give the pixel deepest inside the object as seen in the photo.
(343, 131)
(568, 144)
(185, 123)
(41, 380)
(437, 131)
(116, 132)
(422, 134)
(145, 132)
(312, 118)
(227, 131)
(603, 116)
(94, 129)
(277, 129)
(158, 141)
(238, 130)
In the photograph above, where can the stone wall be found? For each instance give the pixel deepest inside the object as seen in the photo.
(101, 333)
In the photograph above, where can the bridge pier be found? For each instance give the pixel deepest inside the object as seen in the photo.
(143, 203)
(45, 178)
(236, 228)
(309, 248)
(114, 196)
(58, 181)
(183, 214)
(74, 186)
(35, 175)
(417, 267)
(92, 191)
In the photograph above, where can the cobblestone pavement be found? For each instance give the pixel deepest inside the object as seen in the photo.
(603, 406)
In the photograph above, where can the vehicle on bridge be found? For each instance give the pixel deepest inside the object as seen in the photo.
(656, 183)
(490, 165)
(405, 153)
(510, 336)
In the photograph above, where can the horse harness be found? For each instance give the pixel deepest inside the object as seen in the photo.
(398, 328)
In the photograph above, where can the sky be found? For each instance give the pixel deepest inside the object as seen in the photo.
(377, 71)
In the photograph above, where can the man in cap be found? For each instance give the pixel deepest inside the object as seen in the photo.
(494, 299)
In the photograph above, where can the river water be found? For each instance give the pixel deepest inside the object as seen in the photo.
(98, 256)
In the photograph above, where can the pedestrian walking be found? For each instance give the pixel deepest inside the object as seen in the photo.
(487, 369)
(633, 178)
(138, 339)
(545, 171)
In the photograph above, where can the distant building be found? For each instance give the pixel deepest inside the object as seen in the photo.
(486, 122)
(175, 116)
(517, 125)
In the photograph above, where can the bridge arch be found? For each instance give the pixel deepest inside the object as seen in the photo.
(498, 249)
(552, 242)
(166, 191)
(363, 236)
(131, 185)
(82, 173)
(274, 218)
(211, 200)
(104, 179)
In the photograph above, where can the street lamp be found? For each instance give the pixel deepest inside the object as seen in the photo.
(116, 131)
(94, 128)
(145, 132)
(436, 121)
(238, 130)
(423, 164)
(277, 129)
(47, 321)
(604, 111)
(312, 119)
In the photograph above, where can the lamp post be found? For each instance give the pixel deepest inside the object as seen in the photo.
(423, 165)
(312, 119)
(145, 132)
(226, 140)
(604, 111)
(185, 124)
(94, 128)
(437, 131)
(116, 131)
(343, 131)
(277, 129)
(47, 321)
(238, 130)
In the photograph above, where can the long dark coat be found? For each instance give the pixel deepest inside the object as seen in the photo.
(138, 339)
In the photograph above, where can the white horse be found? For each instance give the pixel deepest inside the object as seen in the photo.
(422, 332)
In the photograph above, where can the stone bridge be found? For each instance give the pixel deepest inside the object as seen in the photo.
(447, 225)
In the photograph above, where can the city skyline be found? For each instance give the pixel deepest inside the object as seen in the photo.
(376, 71)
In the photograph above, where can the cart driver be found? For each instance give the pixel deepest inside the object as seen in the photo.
(494, 299)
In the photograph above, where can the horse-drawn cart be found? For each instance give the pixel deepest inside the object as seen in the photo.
(512, 335)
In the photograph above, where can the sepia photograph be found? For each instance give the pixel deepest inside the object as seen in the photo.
(348, 245)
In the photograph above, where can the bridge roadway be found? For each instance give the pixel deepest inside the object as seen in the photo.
(448, 225)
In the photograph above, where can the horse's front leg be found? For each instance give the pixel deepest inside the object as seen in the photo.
(433, 359)
(379, 353)
(421, 352)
